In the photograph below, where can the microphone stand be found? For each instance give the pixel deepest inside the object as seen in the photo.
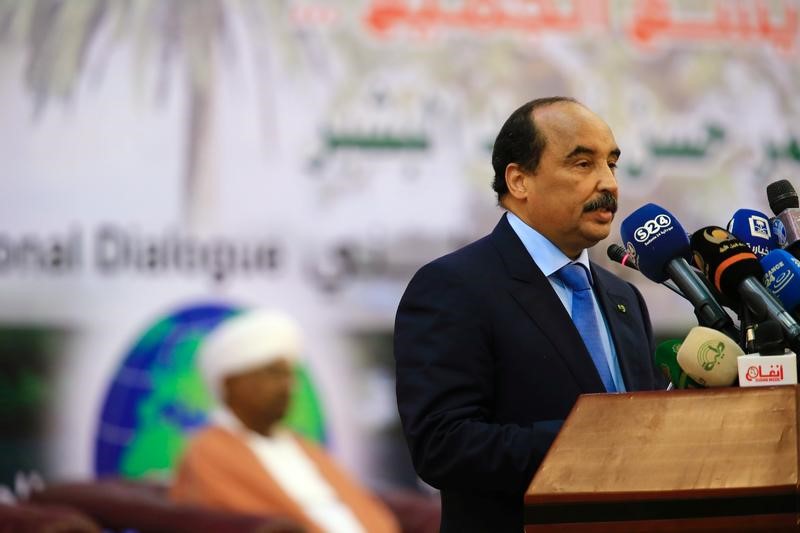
(747, 329)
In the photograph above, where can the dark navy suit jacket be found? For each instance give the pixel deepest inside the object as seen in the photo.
(489, 364)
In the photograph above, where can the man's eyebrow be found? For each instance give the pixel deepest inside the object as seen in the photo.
(580, 150)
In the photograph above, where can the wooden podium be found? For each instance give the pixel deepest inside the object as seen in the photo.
(689, 460)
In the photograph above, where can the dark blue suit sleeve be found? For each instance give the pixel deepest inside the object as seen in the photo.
(445, 389)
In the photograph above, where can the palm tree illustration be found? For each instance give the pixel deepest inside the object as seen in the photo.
(68, 40)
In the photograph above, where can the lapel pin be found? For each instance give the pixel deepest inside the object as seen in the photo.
(621, 308)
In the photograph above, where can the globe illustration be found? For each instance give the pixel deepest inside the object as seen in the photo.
(157, 398)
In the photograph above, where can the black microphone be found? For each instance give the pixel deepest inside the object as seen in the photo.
(769, 338)
(618, 254)
(734, 270)
(784, 203)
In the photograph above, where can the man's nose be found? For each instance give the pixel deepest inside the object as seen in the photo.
(608, 181)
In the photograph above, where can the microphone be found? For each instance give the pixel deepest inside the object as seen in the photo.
(782, 277)
(666, 359)
(654, 238)
(753, 228)
(661, 248)
(735, 272)
(773, 365)
(778, 232)
(769, 338)
(618, 254)
(783, 201)
(709, 357)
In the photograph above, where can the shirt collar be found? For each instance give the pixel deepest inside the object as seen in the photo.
(544, 253)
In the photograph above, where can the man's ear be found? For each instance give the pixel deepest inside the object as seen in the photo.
(515, 181)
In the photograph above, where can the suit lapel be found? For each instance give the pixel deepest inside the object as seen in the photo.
(531, 289)
(618, 311)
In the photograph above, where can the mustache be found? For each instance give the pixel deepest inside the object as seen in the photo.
(604, 201)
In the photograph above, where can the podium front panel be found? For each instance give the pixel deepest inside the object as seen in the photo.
(671, 454)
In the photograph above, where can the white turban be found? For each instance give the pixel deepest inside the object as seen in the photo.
(245, 342)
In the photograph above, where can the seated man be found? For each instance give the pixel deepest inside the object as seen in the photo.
(245, 461)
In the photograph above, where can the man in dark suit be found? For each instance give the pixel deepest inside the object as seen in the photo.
(495, 341)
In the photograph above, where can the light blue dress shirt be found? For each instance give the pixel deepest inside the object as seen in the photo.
(550, 259)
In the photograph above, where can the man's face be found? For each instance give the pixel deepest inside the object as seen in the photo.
(260, 397)
(571, 196)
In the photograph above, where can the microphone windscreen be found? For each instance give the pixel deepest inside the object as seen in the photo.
(666, 357)
(725, 260)
(781, 195)
(654, 237)
(769, 339)
(709, 357)
(753, 228)
(620, 255)
(778, 232)
(782, 277)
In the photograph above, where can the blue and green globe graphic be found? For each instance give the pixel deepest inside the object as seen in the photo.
(157, 398)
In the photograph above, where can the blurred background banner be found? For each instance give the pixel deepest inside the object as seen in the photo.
(165, 164)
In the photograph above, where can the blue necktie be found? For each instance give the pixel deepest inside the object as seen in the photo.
(575, 277)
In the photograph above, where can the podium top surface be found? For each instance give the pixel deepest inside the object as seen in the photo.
(667, 444)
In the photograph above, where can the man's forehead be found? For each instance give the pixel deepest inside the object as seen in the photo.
(567, 127)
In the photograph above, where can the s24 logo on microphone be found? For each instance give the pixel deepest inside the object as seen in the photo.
(651, 227)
